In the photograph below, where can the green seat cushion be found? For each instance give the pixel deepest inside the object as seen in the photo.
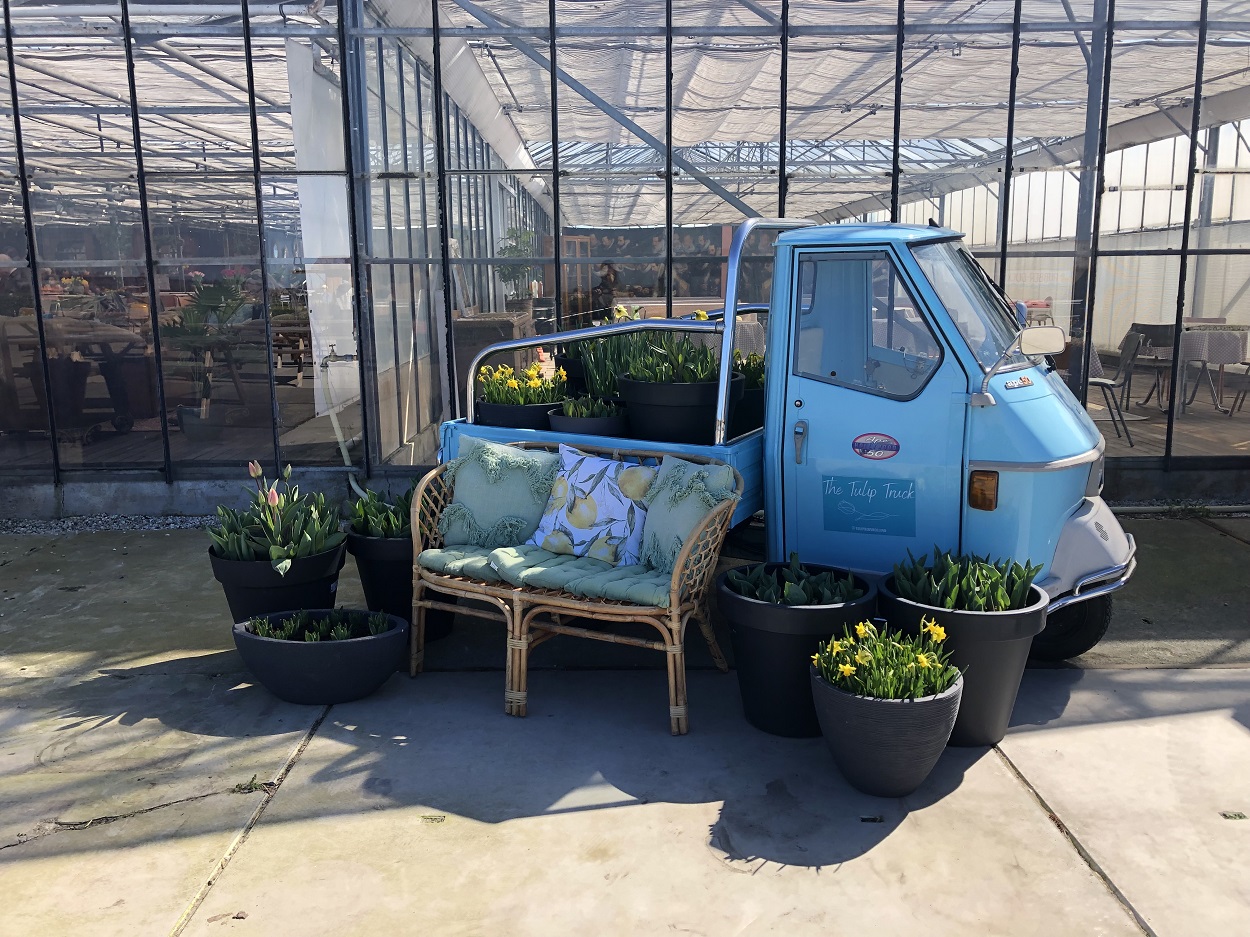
(583, 576)
(472, 562)
(528, 565)
(498, 494)
(681, 496)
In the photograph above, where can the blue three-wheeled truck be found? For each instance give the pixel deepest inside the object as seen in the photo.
(905, 408)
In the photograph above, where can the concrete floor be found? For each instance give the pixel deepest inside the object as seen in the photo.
(146, 787)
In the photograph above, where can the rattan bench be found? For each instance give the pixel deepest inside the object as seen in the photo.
(533, 615)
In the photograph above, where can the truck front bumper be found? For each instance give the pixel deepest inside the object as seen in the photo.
(1094, 556)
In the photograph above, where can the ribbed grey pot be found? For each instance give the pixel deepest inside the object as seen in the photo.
(884, 747)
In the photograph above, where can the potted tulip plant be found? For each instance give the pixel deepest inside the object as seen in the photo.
(991, 611)
(283, 551)
(886, 703)
(776, 613)
(670, 385)
(380, 539)
(324, 655)
(520, 399)
(589, 416)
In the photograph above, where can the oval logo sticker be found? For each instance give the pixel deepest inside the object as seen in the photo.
(875, 446)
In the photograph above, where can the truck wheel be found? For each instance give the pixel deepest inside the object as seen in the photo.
(1073, 630)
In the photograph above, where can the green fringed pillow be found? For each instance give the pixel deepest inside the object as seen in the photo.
(499, 493)
(680, 497)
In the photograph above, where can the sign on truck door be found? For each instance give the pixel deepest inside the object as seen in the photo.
(873, 429)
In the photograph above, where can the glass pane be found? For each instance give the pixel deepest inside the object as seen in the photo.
(296, 70)
(312, 319)
(97, 328)
(860, 328)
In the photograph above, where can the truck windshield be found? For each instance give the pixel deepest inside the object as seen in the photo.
(979, 312)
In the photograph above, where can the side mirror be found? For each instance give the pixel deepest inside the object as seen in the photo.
(1042, 340)
(1034, 340)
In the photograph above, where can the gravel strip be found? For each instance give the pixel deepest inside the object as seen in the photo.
(93, 523)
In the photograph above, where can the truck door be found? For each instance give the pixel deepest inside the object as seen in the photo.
(872, 436)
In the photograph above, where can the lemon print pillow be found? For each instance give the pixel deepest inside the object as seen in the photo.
(595, 509)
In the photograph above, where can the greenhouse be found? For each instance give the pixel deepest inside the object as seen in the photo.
(232, 231)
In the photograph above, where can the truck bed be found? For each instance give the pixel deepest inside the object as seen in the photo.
(745, 453)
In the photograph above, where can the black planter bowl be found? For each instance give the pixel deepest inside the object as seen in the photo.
(675, 412)
(617, 426)
(514, 415)
(322, 672)
(773, 647)
(385, 568)
(989, 648)
(884, 747)
(197, 428)
(253, 588)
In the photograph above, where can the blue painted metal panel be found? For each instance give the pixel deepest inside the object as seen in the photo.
(746, 454)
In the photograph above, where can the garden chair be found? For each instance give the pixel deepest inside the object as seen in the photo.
(1114, 389)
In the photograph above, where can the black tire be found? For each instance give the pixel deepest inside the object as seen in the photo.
(1073, 630)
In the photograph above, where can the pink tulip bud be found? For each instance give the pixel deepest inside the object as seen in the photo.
(272, 497)
(254, 469)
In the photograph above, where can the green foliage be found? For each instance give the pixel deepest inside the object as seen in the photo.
(280, 525)
(338, 624)
(584, 407)
(518, 243)
(373, 517)
(792, 585)
(751, 367)
(504, 385)
(670, 358)
(887, 665)
(965, 583)
(602, 361)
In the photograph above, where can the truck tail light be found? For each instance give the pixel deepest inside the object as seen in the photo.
(983, 490)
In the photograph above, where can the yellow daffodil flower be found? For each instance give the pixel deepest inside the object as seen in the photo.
(923, 661)
(862, 629)
(534, 382)
(863, 656)
(700, 315)
(937, 633)
(835, 646)
(561, 375)
(513, 384)
(845, 669)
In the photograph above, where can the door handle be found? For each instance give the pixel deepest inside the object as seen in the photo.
(800, 436)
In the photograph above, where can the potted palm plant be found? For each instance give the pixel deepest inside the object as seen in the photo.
(520, 399)
(283, 551)
(991, 611)
(517, 277)
(322, 656)
(886, 703)
(380, 539)
(777, 613)
(670, 385)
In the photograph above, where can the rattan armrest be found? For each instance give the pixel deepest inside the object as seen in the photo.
(433, 494)
(696, 562)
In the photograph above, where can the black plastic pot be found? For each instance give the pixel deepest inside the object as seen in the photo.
(253, 588)
(322, 672)
(675, 412)
(197, 428)
(514, 415)
(884, 747)
(385, 568)
(773, 647)
(749, 414)
(575, 374)
(590, 425)
(990, 648)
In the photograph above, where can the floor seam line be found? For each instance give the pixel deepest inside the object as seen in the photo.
(1207, 522)
(1076, 844)
(79, 825)
(237, 843)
